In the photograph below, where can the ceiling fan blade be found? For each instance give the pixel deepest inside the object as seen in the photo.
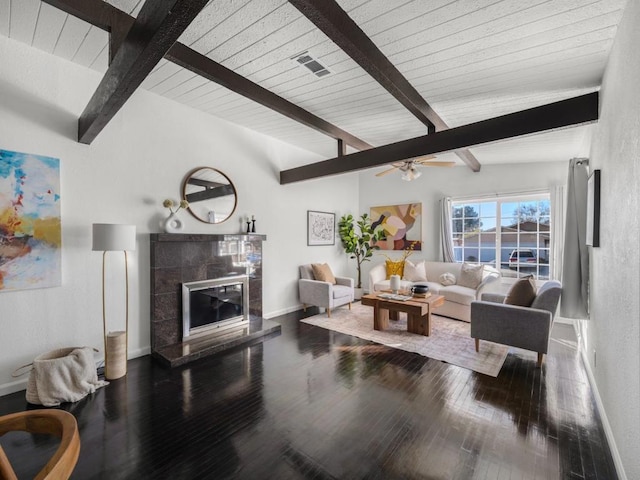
(438, 164)
(392, 169)
(421, 160)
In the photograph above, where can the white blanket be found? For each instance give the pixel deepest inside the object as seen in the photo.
(63, 375)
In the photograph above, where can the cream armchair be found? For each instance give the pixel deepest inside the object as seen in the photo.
(324, 294)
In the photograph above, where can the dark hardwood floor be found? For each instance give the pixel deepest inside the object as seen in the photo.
(316, 404)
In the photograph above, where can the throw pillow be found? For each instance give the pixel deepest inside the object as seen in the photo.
(470, 275)
(522, 293)
(322, 272)
(414, 273)
(394, 268)
(447, 279)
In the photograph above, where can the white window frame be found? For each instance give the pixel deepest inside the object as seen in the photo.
(499, 199)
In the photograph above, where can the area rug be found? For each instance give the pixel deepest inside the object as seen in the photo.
(449, 340)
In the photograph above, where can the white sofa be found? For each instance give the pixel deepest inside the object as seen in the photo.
(457, 298)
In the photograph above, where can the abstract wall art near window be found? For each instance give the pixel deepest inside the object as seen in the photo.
(402, 225)
(30, 231)
(321, 228)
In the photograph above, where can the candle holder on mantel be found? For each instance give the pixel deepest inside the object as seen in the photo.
(253, 225)
(248, 226)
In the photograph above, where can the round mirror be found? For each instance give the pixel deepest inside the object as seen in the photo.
(211, 195)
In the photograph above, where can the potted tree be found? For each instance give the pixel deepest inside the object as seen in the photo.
(358, 239)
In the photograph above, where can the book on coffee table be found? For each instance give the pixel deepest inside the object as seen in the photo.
(395, 296)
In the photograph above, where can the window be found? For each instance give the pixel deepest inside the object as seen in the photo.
(511, 233)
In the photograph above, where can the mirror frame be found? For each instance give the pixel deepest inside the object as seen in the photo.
(184, 194)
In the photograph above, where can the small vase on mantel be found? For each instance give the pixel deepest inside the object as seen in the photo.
(172, 224)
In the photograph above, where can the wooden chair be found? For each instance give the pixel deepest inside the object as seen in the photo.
(55, 422)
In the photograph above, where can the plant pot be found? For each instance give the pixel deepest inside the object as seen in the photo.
(357, 293)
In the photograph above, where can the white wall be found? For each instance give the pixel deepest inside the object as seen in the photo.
(612, 335)
(139, 159)
(436, 183)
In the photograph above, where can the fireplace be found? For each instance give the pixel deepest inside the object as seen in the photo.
(211, 305)
(179, 259)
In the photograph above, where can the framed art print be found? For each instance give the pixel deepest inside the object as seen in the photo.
(321, 228)
(593, 209)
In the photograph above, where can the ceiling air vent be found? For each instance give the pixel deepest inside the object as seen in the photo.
(306, 59)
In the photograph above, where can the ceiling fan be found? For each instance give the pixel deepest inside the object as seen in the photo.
(409, 167)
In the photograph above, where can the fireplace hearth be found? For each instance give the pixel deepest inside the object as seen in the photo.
(194, 260)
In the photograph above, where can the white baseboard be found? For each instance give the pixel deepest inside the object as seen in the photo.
(13, 387)
(283, 311)
(603, 415)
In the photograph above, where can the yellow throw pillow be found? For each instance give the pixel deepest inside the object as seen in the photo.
(522, 293)
(395, 268)
(322, 272)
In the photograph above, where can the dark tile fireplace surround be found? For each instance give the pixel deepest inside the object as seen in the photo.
(181, 258)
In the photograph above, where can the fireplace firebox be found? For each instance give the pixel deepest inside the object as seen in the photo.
(210, 305)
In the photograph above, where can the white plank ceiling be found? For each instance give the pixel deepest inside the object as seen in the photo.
(470, 59)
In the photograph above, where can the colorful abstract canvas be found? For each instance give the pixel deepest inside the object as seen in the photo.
(402, 226)
(30, 230)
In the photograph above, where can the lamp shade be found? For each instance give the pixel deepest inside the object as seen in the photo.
(111, 236)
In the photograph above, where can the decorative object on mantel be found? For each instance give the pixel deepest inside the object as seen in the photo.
(359, 244)
(211, 195)
(172, 224)
(109, 237)
(251, 224)
(30, 225)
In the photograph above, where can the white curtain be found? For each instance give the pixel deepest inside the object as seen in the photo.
(446, 237)
(575, 265)
(558, 207)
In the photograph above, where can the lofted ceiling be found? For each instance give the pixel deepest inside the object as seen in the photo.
(471, 60)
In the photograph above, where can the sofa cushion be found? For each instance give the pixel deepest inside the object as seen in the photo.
(340, 291)
(394, 268)
(435, 269)
(323, 273)
(414, 273)
(458, 294)
(470, 275)
(447, 279)
(522, 293)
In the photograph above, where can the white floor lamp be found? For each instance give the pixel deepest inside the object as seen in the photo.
(109, 237)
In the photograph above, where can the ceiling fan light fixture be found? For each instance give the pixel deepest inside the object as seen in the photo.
(411, 174)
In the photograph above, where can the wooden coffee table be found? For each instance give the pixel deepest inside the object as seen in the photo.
(418, 311)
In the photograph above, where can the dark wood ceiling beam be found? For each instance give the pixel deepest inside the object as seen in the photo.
(157, 27)
(565, 113)
(215, 72)
(115, 21)
(336, 24)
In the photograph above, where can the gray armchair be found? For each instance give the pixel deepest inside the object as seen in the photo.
(324, 294)
(523, 327)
